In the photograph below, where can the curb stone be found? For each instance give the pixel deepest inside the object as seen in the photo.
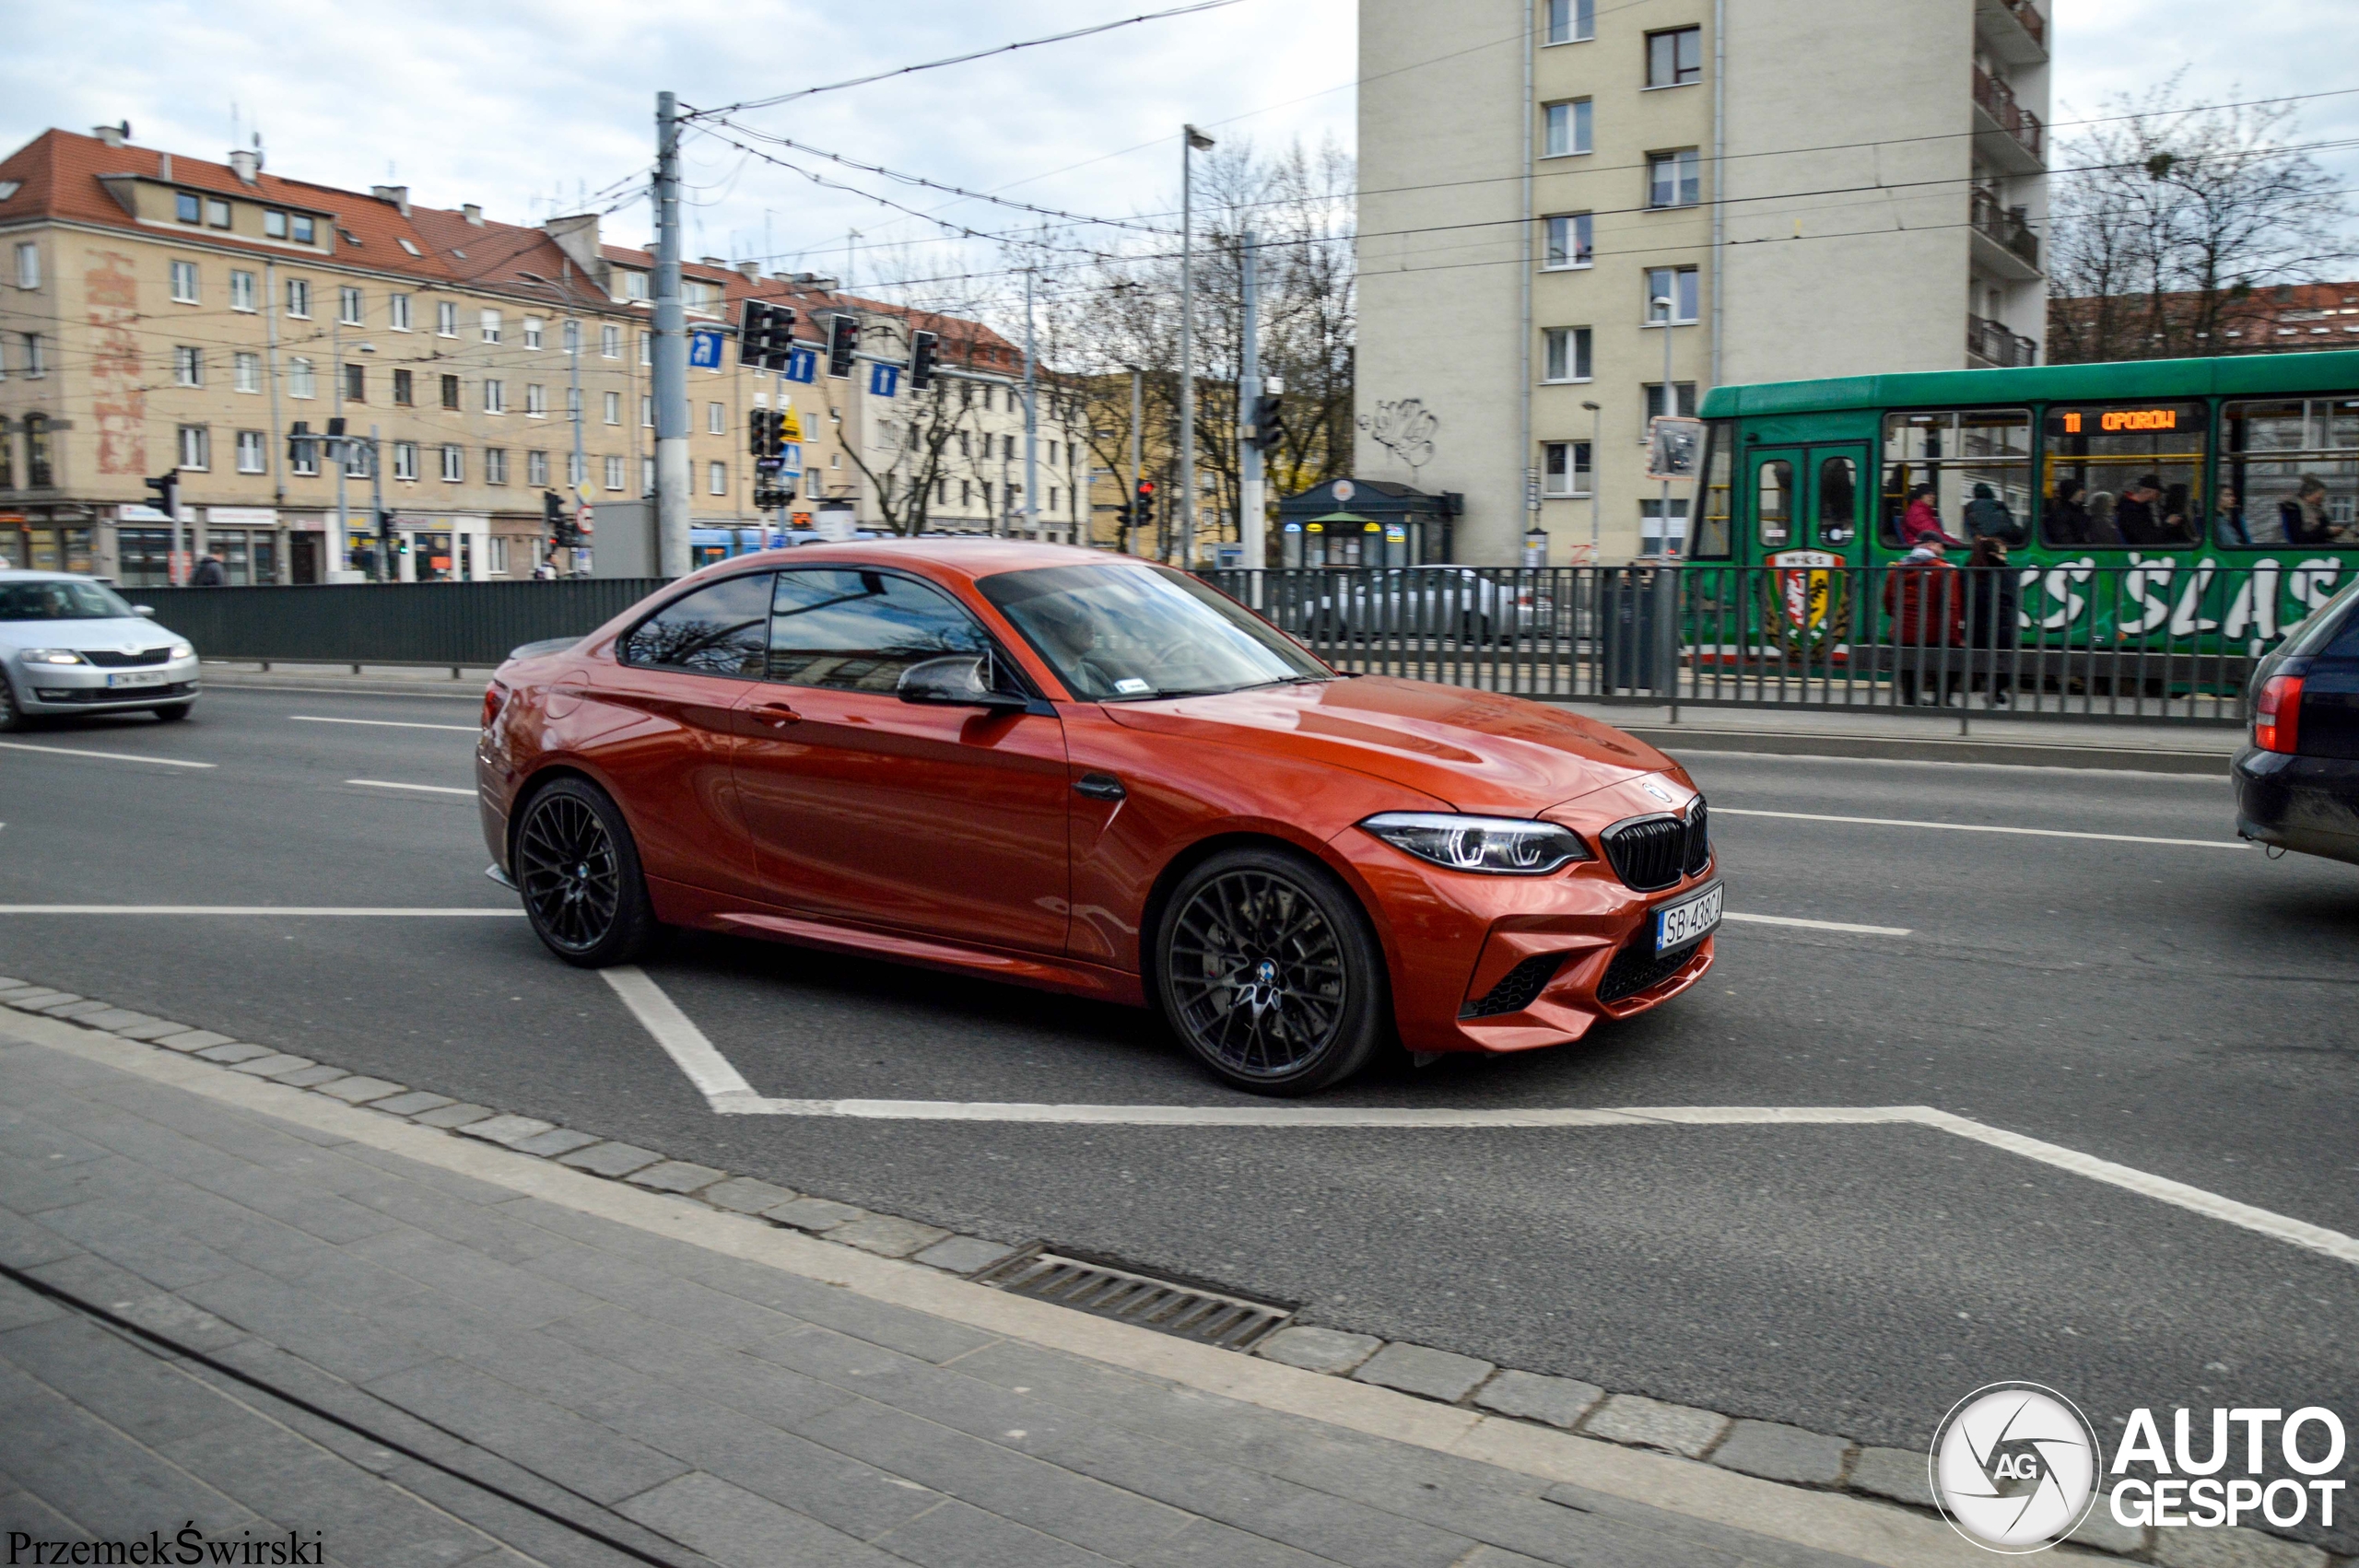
(1769, 1450)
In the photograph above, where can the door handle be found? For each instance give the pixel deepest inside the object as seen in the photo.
(777, 715)
(1099, 787)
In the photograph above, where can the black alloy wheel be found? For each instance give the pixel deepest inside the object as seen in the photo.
(578, 870)
(1268, 971)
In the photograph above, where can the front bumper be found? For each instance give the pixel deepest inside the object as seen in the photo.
(2309, 804)
(1461, 946)
(86, 688)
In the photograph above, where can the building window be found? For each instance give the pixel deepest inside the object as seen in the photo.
(406, 460)
(184, 283)
(536, 401)
(454, 464)
(1567, 128)
(446, 318)
(1571, 22)
(299, 299)
(1673, 179)
(577, 470)
(495, 465)
(716, 419)
(610, 341)
(348, 306)
(195, 447)
(1657, 535)
(1568, 240)
(1687, 399)
(646, 349)
(35, 363)
(495, 556)
(188, 367)
(404, 390)
(300, 381)
(301, 228)
(40, 474)
(216, 213)
(647, 476)
(1675, 59)
(303, 460)
(646, 412)
(242, 292)
(1564, 468)
(451, 391)
(614, 404)
(536, 468)
(397, 311)
(250, 451)
(533, 325)
(634, 285)
(28, 265)
(494, 396)
(245, 372)
(489, 321)
(716, 478)
(1566, 353)
(356, 384)
(355, 457)
(613, 473)
(1676, 285)
(186, 208)
(274, 223)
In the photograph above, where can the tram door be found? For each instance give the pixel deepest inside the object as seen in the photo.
(1810, 520)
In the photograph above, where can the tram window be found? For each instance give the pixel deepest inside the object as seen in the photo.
(1774, 509)
(2123, 475)
(1954, 451)
(2289, 474)
(1839, 499)
(1712, 534)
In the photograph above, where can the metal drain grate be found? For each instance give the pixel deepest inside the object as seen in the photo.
(1230, 1322)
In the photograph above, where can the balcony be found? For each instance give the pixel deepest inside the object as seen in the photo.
(2009, 137)
(2003, 244)
(2012, 31)
(1988, 345)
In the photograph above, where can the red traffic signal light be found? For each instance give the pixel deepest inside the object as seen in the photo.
(843, 343)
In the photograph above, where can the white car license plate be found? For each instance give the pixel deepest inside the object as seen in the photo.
(137, 678)
(1689, 920)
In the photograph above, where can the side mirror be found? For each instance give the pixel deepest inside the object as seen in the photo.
(961, 680)
(147, 610)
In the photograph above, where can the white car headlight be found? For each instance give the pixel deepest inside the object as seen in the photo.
(182, 651)
(1505, 845)
(51, 656)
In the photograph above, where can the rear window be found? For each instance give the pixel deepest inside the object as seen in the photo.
(2333, 632)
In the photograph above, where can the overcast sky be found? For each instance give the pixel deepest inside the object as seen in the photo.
(524, 106)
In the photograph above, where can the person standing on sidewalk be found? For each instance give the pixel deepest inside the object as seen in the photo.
(1992, 600)
(1925, 596)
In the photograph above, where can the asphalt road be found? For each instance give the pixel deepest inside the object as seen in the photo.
(2184, 1009)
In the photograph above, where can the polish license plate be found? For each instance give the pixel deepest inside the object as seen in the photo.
(137, 678)
(1689, 920)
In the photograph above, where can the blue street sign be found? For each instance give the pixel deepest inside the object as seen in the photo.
(790, 457)
(802, 365)
(884, 379)
(704, 350)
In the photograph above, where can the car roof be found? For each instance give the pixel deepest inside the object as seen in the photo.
(24, 574)
(962, 556)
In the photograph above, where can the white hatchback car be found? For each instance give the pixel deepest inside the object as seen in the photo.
(71, 645)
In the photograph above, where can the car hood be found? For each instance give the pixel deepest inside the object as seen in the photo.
(131, 634)
(1479, 751)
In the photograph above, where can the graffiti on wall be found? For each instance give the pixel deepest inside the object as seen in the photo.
(1407, 428)
(118, 397)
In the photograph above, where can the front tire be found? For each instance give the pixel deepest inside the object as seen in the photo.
(12, 716)
(578, 870)
(172, 712)
(1268, 971)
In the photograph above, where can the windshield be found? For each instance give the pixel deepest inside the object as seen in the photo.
(59, 598)
(1127, 633)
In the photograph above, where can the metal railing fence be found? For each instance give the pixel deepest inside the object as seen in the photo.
(393, 623)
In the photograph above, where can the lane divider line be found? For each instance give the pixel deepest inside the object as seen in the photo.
(110, 756)
(421, 789)
(728, 1093)
(2238, 844)
(307, 910)
(380, 723)
(1815, 925)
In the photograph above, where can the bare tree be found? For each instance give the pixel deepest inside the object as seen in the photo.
(2171, 216)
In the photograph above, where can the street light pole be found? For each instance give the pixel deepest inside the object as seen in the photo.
(1670, 410)
(1596, 456)
(1131, 501)
(1191, 141)
(1031, 422)
(670, 378)
(1249, 389)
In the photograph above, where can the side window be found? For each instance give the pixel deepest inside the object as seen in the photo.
(1839, 499)
(858, 631)
(1713, 536)
(717, 630)
(1958, 473)
(2289, 474)
(2124, 476)
(1774, 508)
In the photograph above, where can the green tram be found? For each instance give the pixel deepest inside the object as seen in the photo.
(2195, 506)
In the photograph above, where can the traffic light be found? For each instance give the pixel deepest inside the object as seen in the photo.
(924, 348)
(843, 343)
(557, 521)
(760, 434)
(336, 430)
(1142, 509)
(1261, 425)
(168, 494)
(766, 335)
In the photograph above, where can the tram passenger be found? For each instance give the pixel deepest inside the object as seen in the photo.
(2178, 528)
(2103, 528)
(1925, 595)
(1920, 523)
(2067, 521)
(2303, 514)
(1994, 595)
(1987, 517)
(2140, 522)
(2228, 518)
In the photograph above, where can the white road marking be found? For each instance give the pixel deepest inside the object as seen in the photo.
(728, 1093)
(421, 789)
(303, 909)
(1815, 925)
(382, 723)
(110, 756)
(1718, 809)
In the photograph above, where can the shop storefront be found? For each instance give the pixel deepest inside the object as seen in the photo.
(245, 540)
(1366, 523)
(38, 545)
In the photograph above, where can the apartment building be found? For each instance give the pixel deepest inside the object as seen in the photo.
(1816, 191)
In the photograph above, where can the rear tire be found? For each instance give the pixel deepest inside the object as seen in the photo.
(578, 871)
(173, 712)
(1267, 969)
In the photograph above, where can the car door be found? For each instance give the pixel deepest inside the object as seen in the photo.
(946, 820)
(659, 724)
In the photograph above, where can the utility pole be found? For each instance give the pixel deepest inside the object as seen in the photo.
(1670, 407)
(343, 452)
(1596, 455)
(573, 400)
(376, 495)
(1191, 141)
(1031, 422)
(1007, 518)
(1249, 522)
(270, 335)
(1131, 501)
(671, 379)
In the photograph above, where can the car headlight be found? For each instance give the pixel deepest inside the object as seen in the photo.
(182, 651)
(51, 656)
(1505, 845)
